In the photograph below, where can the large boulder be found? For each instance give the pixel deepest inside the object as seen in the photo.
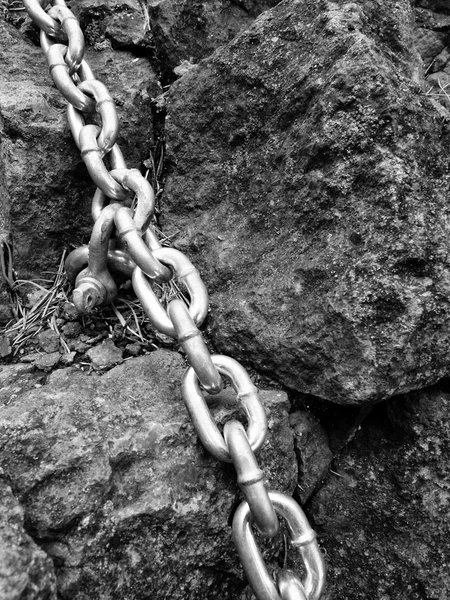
(382, 515)
(309, 185)
(117, 489)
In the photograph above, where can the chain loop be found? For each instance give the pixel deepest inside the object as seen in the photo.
(247, 394)
(191, 340)
(106, 108)
(43, 20)
(71, 27)
(92, 156)
(133, 181)
(302, 537)
(64, 82)
(185, 272)
(250, 479)
(135, 246)
(289, 585)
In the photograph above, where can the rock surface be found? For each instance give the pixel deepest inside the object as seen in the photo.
(117, 489)
(26, 572)
(382, 517)
(309, 186)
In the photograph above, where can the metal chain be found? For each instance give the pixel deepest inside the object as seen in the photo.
(137, 253)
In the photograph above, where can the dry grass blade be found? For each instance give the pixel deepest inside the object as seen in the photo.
(43, 312)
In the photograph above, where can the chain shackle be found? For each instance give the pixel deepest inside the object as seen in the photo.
(43, 20)
(71, 27)
(191, 340)
(117, 260)
(185, 272)
(302, 536)
(250, 479)
(290, 586)
(92, 156)
(95, 285)
(247, 394)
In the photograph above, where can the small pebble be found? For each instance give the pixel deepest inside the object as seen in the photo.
(105, 356)
(71, 329)
(48, 340)
(133, 349)
(47, 362)
(69, 312)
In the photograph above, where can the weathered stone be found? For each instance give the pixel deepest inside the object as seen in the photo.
(184, 30)
(118, 490)
(14, 379)
(26, 572)
(47, 362)
(382, 517)
(39, 159)
(312, 450)
(71, 329)
(309, 186)
(48, 340)
(105, 355)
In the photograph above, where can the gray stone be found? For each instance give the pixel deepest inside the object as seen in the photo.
(105, 355)
(47, 362)
(118, 490)
(26, 572)
(382, 516)
(309, 186)
(313, 453)
(48, 340)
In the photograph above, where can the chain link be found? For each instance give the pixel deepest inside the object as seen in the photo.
(123, 241)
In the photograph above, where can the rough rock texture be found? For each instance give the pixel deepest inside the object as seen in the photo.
(119, 492)
(187, 31)
(310, 187)
(383, 516)
(26, 572)
(45, 190)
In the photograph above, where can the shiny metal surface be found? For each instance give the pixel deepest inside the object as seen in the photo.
(64, 82)
(95, 285)
(192, 342)
(117, 260)
(251, 479)
(92, 155)
(184, 271)
(142, 255)
(302, 537)
(71, 27)
(106, 108)
(290, 586)
(43, 20)
(133, 181)
(247, 395)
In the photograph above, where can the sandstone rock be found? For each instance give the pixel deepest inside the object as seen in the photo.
(26, 572)
(119, 492)
(383, 516)
(309, 183)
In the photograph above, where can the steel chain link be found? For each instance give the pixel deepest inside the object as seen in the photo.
(137, 253)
